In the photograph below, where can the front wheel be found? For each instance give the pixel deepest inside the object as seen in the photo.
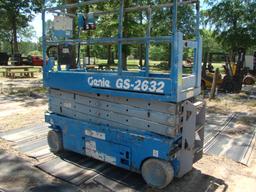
(157, 173)
(55, 141)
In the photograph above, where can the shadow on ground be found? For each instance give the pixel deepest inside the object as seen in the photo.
(197, 181)
(193, 181)
(17, 175)
(31, 99)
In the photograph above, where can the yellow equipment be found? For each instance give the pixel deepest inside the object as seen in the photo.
(233, 78)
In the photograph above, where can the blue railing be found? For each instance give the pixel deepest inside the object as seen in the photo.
(181, 88)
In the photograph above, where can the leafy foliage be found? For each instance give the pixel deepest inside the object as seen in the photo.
(209, 42)
(233, 22)
(17, 14)
(136, 24)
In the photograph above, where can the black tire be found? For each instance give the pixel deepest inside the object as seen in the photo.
(157, 173)
(227, 84)
(55, 141)
(249, 80)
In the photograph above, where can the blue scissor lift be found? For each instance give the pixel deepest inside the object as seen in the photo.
(147, 122)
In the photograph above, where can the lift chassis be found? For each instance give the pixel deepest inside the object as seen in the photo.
(147, 122)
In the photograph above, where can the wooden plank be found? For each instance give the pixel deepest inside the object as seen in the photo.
(24, 134)
(18, 67)
(18, 130)
(32, 145)
(112, 179)
(89, 172)
(117, 179)
(39, 153)
(76, 171)
(234, 147)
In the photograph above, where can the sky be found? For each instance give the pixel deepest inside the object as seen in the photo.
(37, 24)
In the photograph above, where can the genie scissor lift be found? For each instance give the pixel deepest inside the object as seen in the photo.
(143, 121)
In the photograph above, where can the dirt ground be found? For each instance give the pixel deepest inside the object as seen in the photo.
(235, 176)
(19, 107)
(23, 106)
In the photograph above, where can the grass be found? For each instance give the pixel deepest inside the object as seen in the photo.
(1, 72)
(220, 66)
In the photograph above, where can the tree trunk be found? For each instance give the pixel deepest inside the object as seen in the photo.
(11, 45)
(125, 34)
(14, 32)
(71, 10)
(124, 58)
(214, 84)
(88, 48)
(141, 56)
(141, 46)
(110, 56)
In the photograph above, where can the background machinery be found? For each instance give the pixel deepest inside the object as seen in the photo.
(232, 75)
(144, 121)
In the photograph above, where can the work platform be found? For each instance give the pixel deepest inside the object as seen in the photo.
(149, 122)
(174, 86)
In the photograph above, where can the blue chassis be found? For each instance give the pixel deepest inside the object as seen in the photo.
(129, 148)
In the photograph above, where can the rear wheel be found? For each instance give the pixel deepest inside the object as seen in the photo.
(249, 80)
(157, 173)
(55, 141)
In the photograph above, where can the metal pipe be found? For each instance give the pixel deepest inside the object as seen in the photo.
(130, 9)
(68, 6)
(120, 36)
(198, 67)
(44, 36)
(174, 17)
(148, 42)
(62, 13)
(173, 64)
(133, 9)
(198, 19)
(197, 34)
(115, 40)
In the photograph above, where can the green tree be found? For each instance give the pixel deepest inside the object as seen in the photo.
(108, 28)
(162, 26)
(26, 34)
(233, 23)
(210, 44)
(135, 24)
(17, 15)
